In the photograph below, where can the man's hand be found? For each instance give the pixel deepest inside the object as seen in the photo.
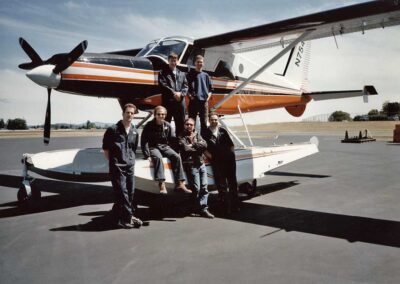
(207, 154)
(177, 96)
(107, 154)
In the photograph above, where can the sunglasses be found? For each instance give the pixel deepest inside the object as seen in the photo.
(160, 114)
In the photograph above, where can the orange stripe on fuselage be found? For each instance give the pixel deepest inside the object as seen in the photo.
(107, 79)
(113, 68)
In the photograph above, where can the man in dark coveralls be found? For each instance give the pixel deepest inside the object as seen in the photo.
(119, 145)
(221, 152)
(156, 142)
(174, 88)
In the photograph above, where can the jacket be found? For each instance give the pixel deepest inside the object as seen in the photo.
(191, 149)
(121, 146)
(169, 84)
(154, 135)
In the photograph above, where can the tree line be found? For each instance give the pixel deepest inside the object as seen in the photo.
(389, 111)
(12, 124)
(20, 124)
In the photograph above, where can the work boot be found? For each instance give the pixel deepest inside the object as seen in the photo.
(163, 189)
(182, 188)
(206, 214)
(124, 225)
(136, 222)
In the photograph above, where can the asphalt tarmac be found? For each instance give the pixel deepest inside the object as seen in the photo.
(333, 217)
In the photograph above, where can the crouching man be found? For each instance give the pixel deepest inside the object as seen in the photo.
(119, 145)
(192, 146)
(156, 143)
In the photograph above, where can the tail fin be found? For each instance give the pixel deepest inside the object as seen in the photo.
(296, 69)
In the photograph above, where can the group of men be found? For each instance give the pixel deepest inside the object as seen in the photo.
(185, 148)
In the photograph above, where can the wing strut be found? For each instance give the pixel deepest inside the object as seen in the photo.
(245, 126)
(259, 71)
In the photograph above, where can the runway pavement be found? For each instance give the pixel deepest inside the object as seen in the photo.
(333, 217)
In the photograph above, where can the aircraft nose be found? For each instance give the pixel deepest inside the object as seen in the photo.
(44, 76)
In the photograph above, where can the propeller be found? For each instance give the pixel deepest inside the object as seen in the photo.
(36, 60)
(70, 57)
(47, 120)
(45, 76)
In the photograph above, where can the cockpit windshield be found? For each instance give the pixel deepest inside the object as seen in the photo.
(163, 48)
(146, 49)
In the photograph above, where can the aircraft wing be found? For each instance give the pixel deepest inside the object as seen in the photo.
(349, 19)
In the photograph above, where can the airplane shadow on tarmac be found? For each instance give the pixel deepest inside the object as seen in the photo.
(350, 228)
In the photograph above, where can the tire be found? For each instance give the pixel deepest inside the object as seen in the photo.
(22, 195)
(35, 191)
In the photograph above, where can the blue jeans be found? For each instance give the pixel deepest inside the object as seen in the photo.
(197, 178)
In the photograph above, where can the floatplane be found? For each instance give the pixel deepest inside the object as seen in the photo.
(240, 85)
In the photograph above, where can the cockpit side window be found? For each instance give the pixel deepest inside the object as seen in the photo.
(166, 47)
(146, 49)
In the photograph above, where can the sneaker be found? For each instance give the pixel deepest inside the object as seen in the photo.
(206, 214)
(136, 222)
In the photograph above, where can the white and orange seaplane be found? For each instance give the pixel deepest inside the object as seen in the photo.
(240, 85)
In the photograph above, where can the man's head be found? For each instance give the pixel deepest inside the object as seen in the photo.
(199, 61)
(128, 111)
(160, 113)
(213, 119)
(172, 60)
(189, 125)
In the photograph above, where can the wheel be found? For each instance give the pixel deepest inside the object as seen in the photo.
(22, 195)
(245, 188)
(249, 188)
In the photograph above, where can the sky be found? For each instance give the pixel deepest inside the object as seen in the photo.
(58, 26)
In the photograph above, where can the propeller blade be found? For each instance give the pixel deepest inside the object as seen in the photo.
(28, 66)
(71, 57)
(30, 51)
(47, 121)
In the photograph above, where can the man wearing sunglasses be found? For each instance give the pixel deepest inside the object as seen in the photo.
(156, 141)
(192, 146)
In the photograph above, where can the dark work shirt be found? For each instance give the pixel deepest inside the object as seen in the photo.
(199, 85)
(155, 135)
(121, 146)
(220, 146)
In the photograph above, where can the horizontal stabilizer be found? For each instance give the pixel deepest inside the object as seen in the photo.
(329, 95)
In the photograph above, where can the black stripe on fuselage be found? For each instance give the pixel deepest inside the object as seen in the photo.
(109, 89)
(117, 60)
